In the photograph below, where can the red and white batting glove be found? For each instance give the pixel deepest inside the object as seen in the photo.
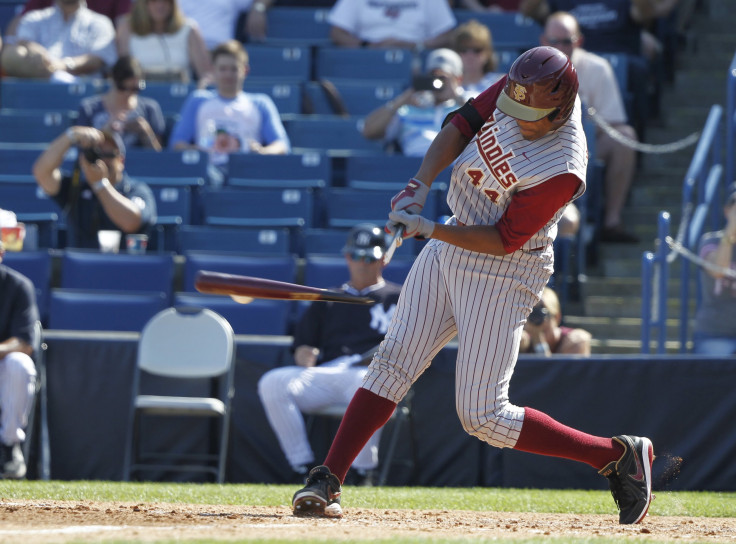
(416, 225)
(411, 198)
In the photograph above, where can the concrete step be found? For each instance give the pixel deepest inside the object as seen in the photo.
(628, 347)
(630, 306)
(626, 287)
(620, 328)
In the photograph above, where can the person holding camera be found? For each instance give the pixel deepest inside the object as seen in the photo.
(544, 335)
(97, 195)
(412, 120)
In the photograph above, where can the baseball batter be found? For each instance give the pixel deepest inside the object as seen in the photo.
(520, 157)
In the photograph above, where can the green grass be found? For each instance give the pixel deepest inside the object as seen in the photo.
(697, 504)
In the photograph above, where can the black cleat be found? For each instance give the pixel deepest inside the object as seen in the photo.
(321, 495)
(630, 478)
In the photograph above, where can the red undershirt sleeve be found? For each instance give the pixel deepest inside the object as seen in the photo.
(532, 208)
(484, 103)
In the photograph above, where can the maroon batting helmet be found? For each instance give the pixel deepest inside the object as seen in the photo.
(542, 83)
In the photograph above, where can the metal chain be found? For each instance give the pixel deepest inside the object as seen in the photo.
(692, 257)
(634, 144)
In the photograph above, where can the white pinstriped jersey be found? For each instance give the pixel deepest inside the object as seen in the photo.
(498, 162)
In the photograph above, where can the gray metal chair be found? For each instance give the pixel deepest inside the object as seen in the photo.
(179, 348)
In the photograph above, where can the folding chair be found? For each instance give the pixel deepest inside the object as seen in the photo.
(182, 346)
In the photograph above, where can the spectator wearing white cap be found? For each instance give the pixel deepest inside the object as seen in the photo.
(411, 121)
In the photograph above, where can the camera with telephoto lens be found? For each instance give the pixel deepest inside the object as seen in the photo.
(91, 154)
(539, 315)
(427, 83)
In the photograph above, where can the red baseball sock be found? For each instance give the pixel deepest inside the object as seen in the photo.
(543, 435)
(366, 414)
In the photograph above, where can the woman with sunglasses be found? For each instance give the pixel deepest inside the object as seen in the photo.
(169, 46)
(472, 41)
(137, 119)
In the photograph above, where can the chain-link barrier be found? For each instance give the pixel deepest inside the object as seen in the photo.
(634, 144)
(678, 248)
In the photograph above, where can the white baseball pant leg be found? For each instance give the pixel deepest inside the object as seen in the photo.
(486, 300)
(17, 392)
(288, 392)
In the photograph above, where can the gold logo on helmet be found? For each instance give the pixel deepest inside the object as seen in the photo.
(519, 93)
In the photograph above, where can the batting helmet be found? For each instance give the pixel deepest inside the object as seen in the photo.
(366, 240)
(542, 83)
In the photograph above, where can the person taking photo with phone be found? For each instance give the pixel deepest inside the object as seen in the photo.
(543, 333)
(409, 122)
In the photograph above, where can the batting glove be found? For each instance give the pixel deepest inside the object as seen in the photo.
(411, 198)
(416, 225)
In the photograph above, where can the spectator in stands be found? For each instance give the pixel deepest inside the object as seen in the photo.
(18, 317)
(715, 320)
(472, 41)
(98, 194)
(168, 45)
(530, 8)
(226, 119)
(330, 349)
(218, 19)
(414, 118)
(60, 43)
(599, 89)
(544, 335)
(137, 119)
(112, 9)
(418, 25)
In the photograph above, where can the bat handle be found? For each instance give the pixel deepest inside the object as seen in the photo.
(395, 242)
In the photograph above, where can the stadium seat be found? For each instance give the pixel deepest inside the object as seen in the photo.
(170, 96)
(287, 96)
(82, 309)
(347, 206)
(36, 266)
(280, 171)
(242, 240)
(30, 94)
(370, 65)
(292, 208)
(273, 63)
(357, 97)
(319, 241)
(32, 206)
(300, 26)
(16, 164)
(331, 272)
(174, 167)
(391, 172)
(32, 126)
(272, 267)
(510, 30)
(337, 136)
(117, 271)
(258, 317)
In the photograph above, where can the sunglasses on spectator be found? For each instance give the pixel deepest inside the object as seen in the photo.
(476, 50)
(363, 258)
(131, 88)
(561, 41)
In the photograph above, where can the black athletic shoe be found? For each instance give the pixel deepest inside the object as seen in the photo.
(321, 495)
(12, 464)
(630, 478)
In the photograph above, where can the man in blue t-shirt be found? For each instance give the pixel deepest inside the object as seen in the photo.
(228, 120)
(97, 195)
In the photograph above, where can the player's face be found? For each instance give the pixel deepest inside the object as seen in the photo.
(533, 130)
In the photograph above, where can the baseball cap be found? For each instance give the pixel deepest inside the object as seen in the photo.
(446, 60)
(115, 138)
(366, 240)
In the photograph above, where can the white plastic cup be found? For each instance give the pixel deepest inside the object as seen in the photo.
(136, 243)
(109, 240)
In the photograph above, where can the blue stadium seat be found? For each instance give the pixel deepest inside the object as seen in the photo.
(287, 96)
(34, 94)
(174, 167)
(242, 240)
(318, 241)
(334, 135)
(331, 272)
(32, 126)
(117, 271)
(170, 96)
(258, 317)
(391, 172)
(510, 30)
(358, 98)
(8, 10)
(279, 171)
(347, 206)
(272, 267)
(36, 266)
(301, 26)
(291, 63)
(373, 65)
(81, 309)
(32, 205)
(16, 164)
(293, 208)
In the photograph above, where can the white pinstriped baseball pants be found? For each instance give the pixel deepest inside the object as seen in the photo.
(287, 392)
(17, 391)
(485, 300)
